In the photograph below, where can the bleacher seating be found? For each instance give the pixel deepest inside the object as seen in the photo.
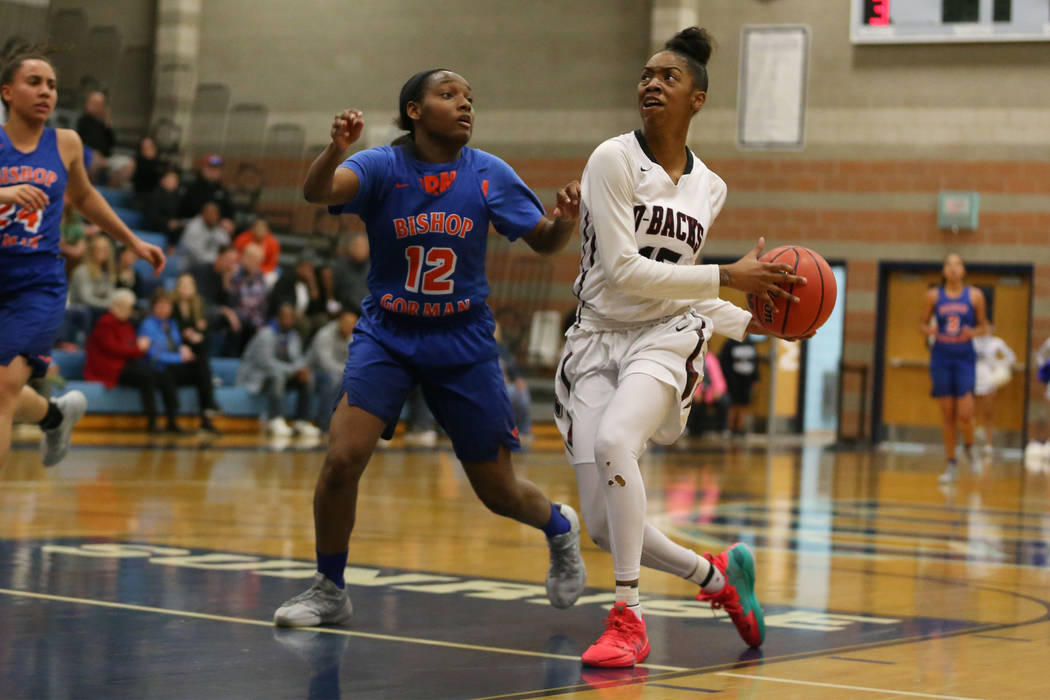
(233, 400)
(132, 217)
(116, 198)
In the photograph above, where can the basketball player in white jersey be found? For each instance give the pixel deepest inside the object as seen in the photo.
(636, 352)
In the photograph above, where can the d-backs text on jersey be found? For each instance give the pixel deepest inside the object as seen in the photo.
(666, 222)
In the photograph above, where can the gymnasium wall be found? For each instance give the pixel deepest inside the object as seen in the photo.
(887, 127)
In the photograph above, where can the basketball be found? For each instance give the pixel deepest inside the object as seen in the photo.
(816, 297)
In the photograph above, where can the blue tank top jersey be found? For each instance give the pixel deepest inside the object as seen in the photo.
(30, 239)
(428, 227)
(953, 314)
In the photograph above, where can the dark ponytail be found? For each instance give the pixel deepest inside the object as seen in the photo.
(17, 52)
(411, 91)
(695, 45)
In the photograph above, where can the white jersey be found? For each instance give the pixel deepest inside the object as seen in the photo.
(995, 362)
(641, 237)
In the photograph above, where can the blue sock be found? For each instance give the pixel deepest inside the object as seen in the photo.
(332, 566)
(558, 524)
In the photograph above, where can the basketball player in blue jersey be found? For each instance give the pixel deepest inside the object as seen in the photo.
(960, 312)
(39, 168)
(427, 202)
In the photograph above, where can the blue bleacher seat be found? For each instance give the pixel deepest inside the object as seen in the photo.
(154, 237)
(131, 217)
(225, 369)
(116, 198)
(70, 364)
(233, 400)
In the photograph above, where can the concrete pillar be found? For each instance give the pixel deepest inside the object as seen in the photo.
(175, 68)
(669, 17)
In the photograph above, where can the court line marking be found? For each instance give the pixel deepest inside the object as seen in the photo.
(858, 688)
(999, 636)
(326, 630)
(681, 687)
(863, 661)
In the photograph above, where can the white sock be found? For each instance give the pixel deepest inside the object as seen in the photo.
(704, 568)
(629, 595)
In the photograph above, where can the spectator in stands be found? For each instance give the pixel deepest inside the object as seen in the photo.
(90, 288)
(244, 195)
(710, 396)
(300, 287)
(215, 285)
(273, 365)
(114, 355)
(191, 315)
(326, 358)
(162, 207)
(739, 362)
(326, 231)
(350, 270)
(96, 131)
(149, 168)
(177, 364)
(127, 276)
(517, 389)
(260, 233)
(248, 291)
(76, 235)
(205, 187)
(203, 237)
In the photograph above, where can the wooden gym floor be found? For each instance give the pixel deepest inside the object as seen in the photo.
(151, 571)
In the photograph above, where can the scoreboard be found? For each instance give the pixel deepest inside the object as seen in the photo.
(948, 21)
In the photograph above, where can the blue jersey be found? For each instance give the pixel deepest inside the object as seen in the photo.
(953, 314)
(29, 239)
(428, 228)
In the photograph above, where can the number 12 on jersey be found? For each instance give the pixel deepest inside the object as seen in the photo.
(440, 262)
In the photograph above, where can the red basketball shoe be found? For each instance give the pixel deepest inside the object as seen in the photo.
(737, 597)
(624, 642)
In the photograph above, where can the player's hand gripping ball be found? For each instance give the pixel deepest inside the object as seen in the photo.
(816, 297)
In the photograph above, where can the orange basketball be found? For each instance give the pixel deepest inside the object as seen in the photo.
(816, 297)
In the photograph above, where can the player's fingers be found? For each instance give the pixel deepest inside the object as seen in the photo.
(794, 279)
(775, 292)
(757, 250)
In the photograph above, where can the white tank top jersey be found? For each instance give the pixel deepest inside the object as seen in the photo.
(641, 235)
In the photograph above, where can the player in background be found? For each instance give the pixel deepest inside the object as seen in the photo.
(1037, 451)
(959, 310)
(40, 167)
(427, 202)
(633, 357)
(995, 362)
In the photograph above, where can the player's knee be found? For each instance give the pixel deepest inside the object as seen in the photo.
(608, 447)
(341, 469)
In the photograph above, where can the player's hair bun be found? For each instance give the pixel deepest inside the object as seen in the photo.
(694, 42)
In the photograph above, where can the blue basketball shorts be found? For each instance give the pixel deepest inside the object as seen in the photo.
(469, 401)
(952, 376)
(32, 308)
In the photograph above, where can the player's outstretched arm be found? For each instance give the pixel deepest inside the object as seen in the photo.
(550, 236)
(91, 204)
(326, 182)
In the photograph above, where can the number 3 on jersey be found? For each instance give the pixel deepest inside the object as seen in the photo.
(441, 263)
(30, 220)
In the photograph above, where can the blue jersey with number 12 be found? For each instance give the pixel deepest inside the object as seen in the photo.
(428, 228)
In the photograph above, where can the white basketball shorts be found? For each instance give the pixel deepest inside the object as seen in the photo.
(594, 362)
